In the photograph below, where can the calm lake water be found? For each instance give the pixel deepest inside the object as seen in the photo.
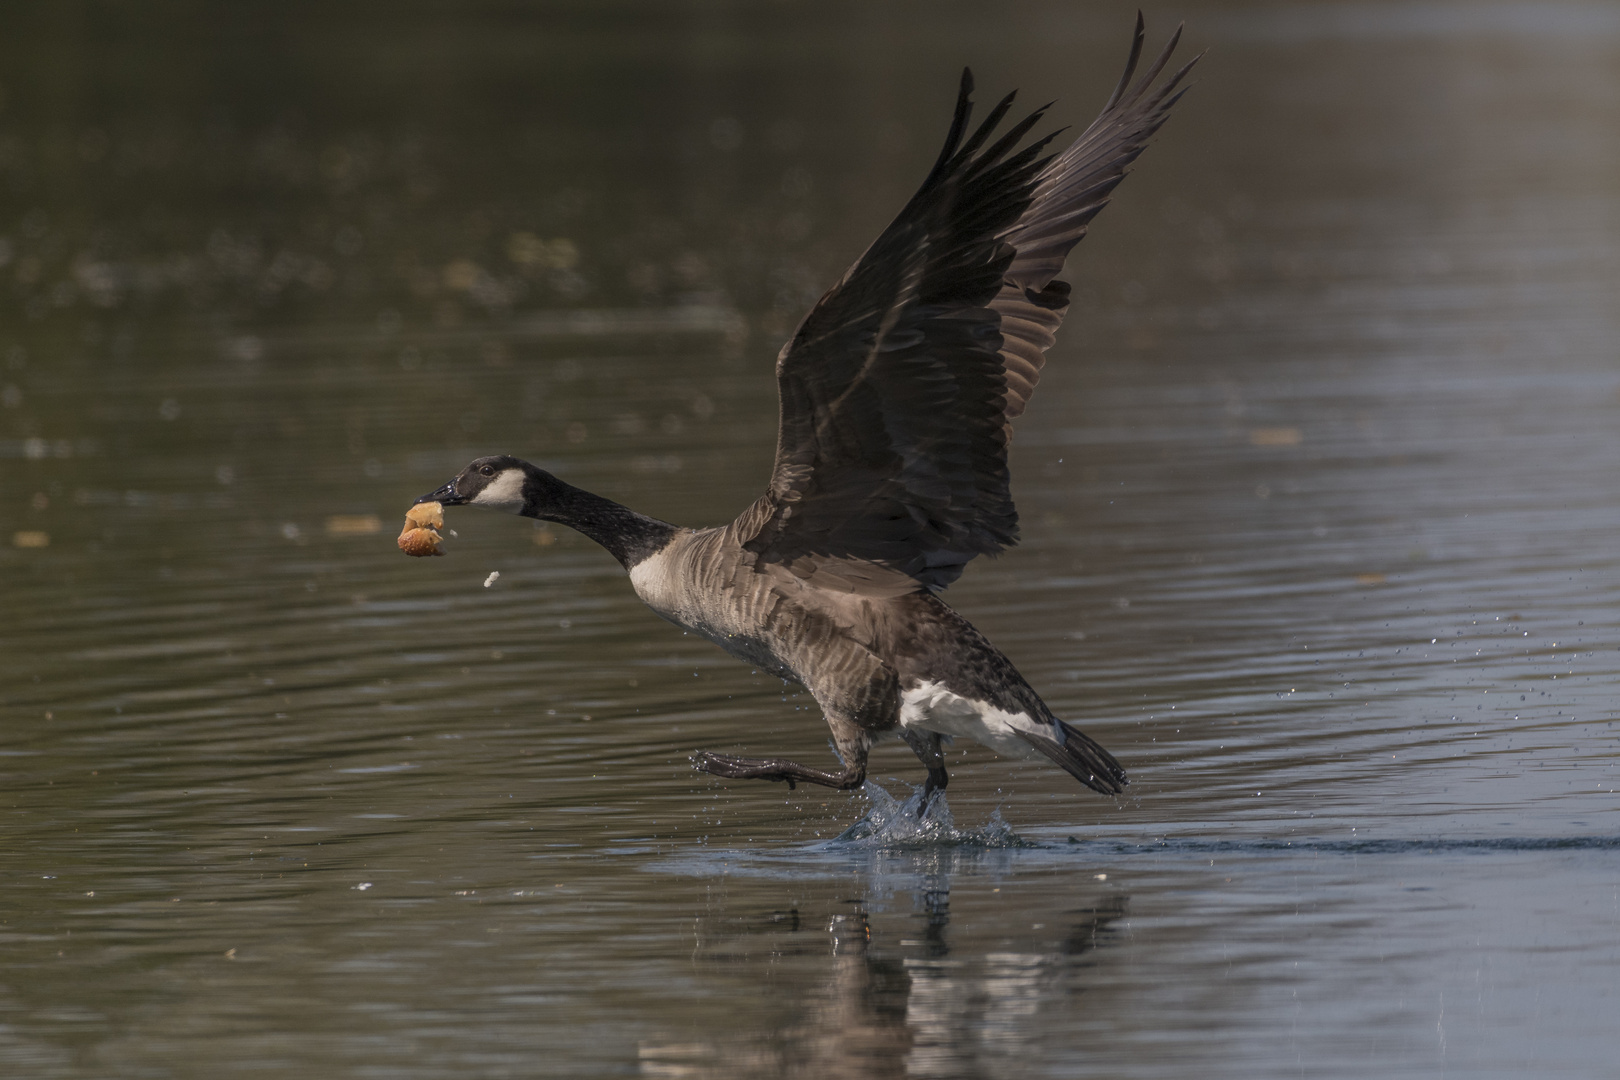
(1320, 497)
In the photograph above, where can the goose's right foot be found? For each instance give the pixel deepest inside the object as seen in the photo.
(778, 769)
(937, 779)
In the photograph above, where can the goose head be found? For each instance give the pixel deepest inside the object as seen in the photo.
(502, 483)
(513, 485)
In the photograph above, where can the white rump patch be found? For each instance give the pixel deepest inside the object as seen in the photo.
(505, 492)
(931, 707)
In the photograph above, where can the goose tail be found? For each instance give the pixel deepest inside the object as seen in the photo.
(1079, 755)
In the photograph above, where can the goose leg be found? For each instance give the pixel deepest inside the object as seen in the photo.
(926, 745)
(745, 768)
(852, 743)
(937, 779)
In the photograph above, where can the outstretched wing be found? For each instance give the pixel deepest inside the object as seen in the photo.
(898, 389)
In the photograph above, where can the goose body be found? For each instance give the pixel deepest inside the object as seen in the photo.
(897, 395)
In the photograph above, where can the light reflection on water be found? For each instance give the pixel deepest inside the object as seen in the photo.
(1318, 500)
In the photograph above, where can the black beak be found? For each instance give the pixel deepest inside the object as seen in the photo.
(446, 495)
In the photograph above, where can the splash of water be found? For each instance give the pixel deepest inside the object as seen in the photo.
(896, 824)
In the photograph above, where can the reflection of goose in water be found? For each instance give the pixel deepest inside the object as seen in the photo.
(898, 392)
(975, 1016)
(891, 1002)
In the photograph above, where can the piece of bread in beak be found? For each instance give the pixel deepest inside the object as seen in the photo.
(420, 538)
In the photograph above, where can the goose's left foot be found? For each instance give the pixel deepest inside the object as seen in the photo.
(742, 768)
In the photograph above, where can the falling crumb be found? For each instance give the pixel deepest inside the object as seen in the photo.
(494, 575)
(31, 539)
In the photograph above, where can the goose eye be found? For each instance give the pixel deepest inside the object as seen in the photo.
(488, 470)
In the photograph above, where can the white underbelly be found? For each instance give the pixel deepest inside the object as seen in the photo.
(931, 707)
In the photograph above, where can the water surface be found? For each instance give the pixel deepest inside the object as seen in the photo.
(1318, 502)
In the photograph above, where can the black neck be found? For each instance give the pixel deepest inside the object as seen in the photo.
(628, 536)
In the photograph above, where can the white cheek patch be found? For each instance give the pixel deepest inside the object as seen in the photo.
(505, 492)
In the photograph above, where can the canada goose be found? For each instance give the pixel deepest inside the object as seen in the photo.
(898, 391)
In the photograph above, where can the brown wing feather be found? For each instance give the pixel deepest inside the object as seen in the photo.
(898, 389)
(1071, 190)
